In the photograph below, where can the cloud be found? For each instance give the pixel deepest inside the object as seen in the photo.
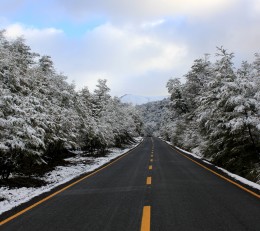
(119, 54)
(255, 6)
(31, 33)
(138, 45)
(128, 48)
(10, 6)
(124, 55)
(142, 10)
(151, 24)
(45, 41)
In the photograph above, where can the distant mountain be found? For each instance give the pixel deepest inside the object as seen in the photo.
(138, 99)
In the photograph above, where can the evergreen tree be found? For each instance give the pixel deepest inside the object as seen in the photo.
(42, 116)
(216, 113)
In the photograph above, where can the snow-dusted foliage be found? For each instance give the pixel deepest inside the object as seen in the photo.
(217, 112)
(153, 113)
(42, 116)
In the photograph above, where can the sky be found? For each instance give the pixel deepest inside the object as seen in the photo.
(137, 45)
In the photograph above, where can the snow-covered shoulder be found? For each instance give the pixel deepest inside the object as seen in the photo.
(236, 177)
(60, 175)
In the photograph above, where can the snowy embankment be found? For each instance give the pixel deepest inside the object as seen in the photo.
(234, 176)
(62, 174)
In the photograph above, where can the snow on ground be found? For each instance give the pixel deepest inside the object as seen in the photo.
(238, 178)
(61, 174)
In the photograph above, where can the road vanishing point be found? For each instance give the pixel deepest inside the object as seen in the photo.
(153, 187)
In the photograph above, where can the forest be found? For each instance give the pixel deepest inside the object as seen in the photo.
(43, 117)
(215, 113)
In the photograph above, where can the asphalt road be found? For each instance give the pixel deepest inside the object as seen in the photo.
(151, 188)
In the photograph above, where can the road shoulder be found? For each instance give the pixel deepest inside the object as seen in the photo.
(224, 174)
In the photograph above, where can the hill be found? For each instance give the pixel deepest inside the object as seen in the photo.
(138, 100)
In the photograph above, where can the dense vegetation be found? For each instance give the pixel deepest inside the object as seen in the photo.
(216, 113)
(42, 116)
(153, 115)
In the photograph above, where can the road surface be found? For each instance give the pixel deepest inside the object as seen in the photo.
(151, 188)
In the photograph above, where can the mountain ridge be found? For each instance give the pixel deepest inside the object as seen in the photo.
(138, 99)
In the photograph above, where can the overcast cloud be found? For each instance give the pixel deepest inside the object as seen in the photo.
(137, 45)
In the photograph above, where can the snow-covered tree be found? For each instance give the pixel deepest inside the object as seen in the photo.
(216, 113)
(42, 116)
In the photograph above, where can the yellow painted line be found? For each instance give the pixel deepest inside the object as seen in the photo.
(63, 189)
(219, 175)
(146, 219)
(150, 167)
(151, 155)
(149, 180)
